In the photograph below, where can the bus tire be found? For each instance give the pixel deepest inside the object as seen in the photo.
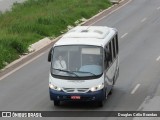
(100, 103)
(56, 103)
(110, 92)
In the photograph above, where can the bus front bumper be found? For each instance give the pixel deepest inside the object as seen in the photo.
(89, 96)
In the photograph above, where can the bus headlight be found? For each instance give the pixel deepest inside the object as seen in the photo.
(96, 88)
(54, 87)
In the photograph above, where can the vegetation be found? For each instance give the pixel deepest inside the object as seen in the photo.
(32, 20)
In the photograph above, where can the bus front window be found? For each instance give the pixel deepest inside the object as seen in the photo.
(77, 61)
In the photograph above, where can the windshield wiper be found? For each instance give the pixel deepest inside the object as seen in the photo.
(86, 72)
(70, 72)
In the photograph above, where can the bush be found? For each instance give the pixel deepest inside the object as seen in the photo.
(19, 46)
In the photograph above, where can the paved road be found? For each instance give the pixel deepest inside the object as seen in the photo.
(7, 4)
(138, 87)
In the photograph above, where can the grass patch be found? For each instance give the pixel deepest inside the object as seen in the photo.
(35, 19)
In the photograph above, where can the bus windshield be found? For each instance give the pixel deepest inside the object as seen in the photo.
(77, 61)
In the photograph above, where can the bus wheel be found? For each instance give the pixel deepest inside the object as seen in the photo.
(110, 92)
(56, 103)
(106, 95)
(101, 103)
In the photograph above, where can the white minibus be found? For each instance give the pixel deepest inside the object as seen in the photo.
(84, 65)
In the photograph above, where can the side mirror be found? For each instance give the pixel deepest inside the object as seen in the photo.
(49, 55)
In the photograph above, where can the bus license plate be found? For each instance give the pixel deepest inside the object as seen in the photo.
(75, 97)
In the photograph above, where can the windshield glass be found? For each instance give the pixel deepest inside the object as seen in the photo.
(77, 61)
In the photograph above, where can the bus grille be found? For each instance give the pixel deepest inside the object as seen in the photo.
(75, 90)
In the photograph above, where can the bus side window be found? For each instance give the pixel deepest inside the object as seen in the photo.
(108, 56)
(114, 48)
(106, 62)
(111, 52)
(116, 42)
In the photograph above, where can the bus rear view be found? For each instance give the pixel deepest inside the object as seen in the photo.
(84, 65)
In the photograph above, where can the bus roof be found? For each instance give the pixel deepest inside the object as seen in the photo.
(87, 35)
